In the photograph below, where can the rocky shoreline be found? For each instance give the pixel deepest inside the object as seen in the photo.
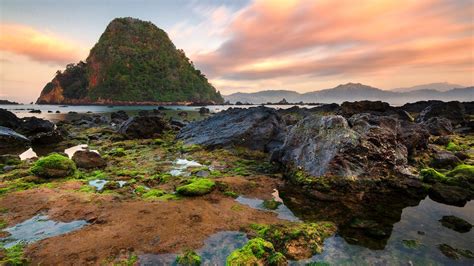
(341, 158)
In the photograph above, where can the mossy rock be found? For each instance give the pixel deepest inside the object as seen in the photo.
(296, 240)
(430, 175)
(257, 251)
(455, 223)
(411, 243)
(455, 253)
(13, 255)
(271, 204)
(462, 171)
(54, 166)
(189, 258)
(197, 187)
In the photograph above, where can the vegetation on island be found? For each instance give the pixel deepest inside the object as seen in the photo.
(133, 61)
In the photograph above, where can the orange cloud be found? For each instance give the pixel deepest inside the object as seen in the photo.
(37, 45)
(328, 37)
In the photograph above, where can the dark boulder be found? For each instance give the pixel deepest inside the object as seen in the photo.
(451, 195)
(119, 116)
(469, 107)
(330, 145)
(419, 106)
(349, 109)
(183, 114)
(453, 111)
(88, 160)
(11, 141)
(444, 160)
(9, 119)
(438, 126)
(415, 137)
(326, 108)
(47, 138)
(380, 108)
(9, 159)
(177, 123)
(203, 110)
(456, 223)
(258, 128)
(443, 140)
(143, 127)
(34, 125)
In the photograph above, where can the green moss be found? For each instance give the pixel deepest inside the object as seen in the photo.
(411, 243)
(197, 187)
(255, 252)
(189, 257)
(277, 259)
(117, 152)
(462, 171)
(311, 235)
(452, 146)
(3, 224)
(271, 204)
(87, 189)
(237, 208)
(54, 166)
(153, 193)
(430, 175)
(231, 194)
(16, 185)
(14, 256)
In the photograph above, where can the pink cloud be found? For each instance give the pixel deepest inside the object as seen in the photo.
(37, 45)
(340, 37)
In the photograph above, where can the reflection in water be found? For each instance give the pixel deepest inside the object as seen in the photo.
(214, 252)
(372, 229)
(283, 212)
(37, 228)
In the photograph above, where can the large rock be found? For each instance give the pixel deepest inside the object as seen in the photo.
(11, 141)
(143, 127)
(451, 195)
(88, 160)
(438, 126)
(258, 128)
(9, 119)
(419, 106)
(453, 111)
(415, 137)
(444, 160)
(34, 125)
(119, 116)
(380, 108)
(328, 145)
(47, 138)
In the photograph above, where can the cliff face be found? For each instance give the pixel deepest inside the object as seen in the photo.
(133, 62)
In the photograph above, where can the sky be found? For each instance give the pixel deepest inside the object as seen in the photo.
(247, 46)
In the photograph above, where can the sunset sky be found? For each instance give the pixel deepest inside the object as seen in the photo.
(249, 46)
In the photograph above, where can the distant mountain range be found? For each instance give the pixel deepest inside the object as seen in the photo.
(357, 92)
(440, 86)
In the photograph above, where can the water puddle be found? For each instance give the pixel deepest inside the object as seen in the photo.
(181, 165)
(215, 251)
(81, 147)
(421, 225)
(37, 228)
(282, 210)
(28, 154)
(99, 183)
